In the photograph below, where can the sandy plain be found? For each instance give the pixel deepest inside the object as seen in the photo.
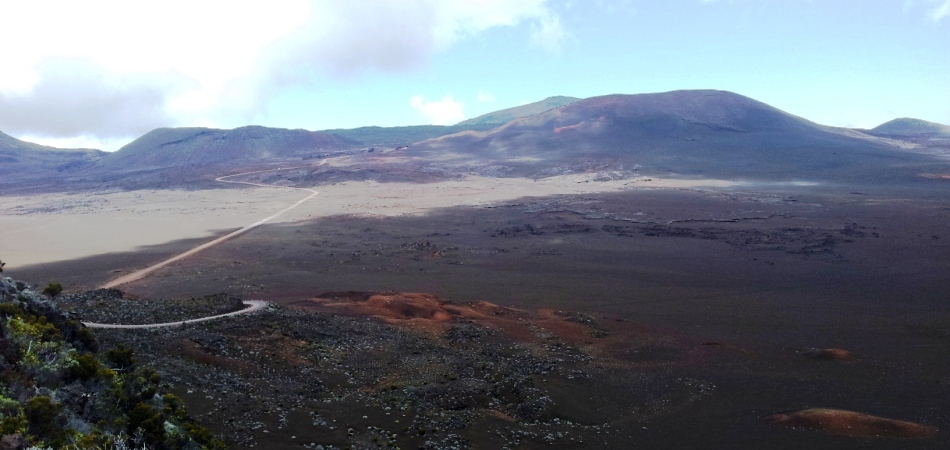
(47, 228)
(53, 227)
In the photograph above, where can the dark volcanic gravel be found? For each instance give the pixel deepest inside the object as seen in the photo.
(110, 306)
(290, 378)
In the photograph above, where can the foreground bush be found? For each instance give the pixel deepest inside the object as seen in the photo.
(58, 391)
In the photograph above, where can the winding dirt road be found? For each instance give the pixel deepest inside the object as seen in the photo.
(253, 305)
(139, 274)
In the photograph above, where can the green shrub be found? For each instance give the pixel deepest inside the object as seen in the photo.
(204, 437)
(149, 420)
(10, 310)
(44, 350)
(12, 420)
(86, 367)
(86, 338)
(43, 418)
(53, 289)
(13, 425)
(120, 357)
(173, 406)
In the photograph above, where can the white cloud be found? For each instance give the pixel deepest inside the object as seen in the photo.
(485, 97)
(80, 141)
(941, 10)
(443, 112)
(209, 41)
(75, 97)
(180, 62)
(548, 33)
(614, 7)
(111, 69)
(346, 38)
(937, 9)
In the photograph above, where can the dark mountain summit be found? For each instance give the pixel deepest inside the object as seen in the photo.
(504, 116)
(176, 147)
(697, 133)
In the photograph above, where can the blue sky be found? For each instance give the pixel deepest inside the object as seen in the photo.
(102, 73)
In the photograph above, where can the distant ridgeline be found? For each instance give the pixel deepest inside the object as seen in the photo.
(906, 127)
(507, 115)
(58, 390)
(21, 159)
(700, 133)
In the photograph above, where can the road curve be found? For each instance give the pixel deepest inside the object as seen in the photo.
(139, 274)
(253, 305)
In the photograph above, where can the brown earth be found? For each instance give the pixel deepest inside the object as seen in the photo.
(850, 423)
(702, 304)
(832, 354)
(618, 341)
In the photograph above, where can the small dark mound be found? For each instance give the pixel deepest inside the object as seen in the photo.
(831, 354)
(850, 423)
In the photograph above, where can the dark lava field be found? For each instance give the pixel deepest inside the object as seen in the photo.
(657, 318)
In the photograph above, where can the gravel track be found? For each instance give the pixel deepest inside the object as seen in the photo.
(253, 305)
(142, 273)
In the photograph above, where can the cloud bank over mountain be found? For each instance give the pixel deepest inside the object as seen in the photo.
(103, 72)
(128, 68)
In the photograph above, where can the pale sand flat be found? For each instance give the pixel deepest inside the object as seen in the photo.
(57, 227)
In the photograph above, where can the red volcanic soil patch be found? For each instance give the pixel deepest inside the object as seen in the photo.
(558, 130)
(421, 311)
(850, 423)
(831, 354)
(408, 306)
(622, 342)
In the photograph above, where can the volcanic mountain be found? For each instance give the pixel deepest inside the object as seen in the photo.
(907, 127)
(21, 159)
(507, 115)
(178, 147)
(391, 137)
(703, 133)
(400, 136)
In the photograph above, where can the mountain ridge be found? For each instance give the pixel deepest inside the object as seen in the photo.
(696, 133)
(906, 126)
(22, 159)
(705, 133)
(506, 115)
(189, 146)
(400, 136)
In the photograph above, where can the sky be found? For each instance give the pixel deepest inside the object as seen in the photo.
(98, 74)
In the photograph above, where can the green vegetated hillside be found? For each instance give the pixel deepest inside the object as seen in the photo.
(697, 133)
(504, 116)
(59, 390)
